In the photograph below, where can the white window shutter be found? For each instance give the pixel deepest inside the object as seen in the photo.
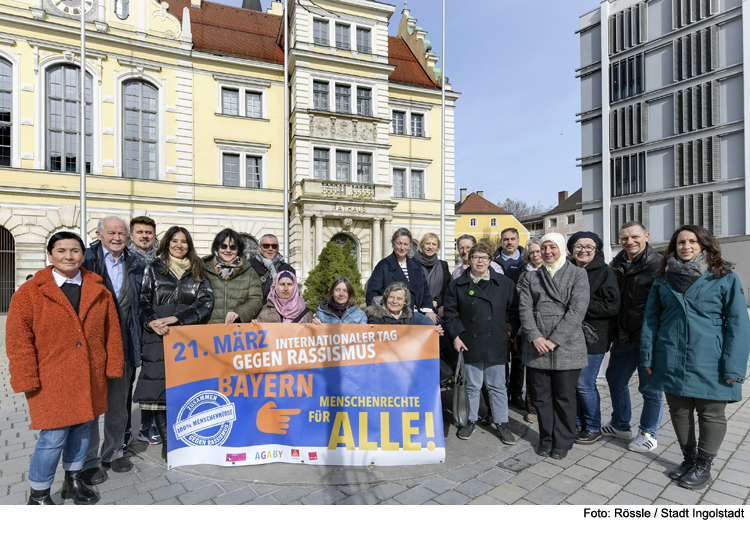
(678, 207)
(685, 101)
(705, 36)
(695, 111)
(695, 53)
(696, 171)
(644, 211)
(644, 21)
(619, 32)
(686, 164)
(677, 102)
(685, 12)
(718, 230)
(628, 121)
(675, 14)
(621, 128)
(705, 104)
(677, 165)
(676, 50)
(612, 47)
(637, 123)
(716, 159)
(644, 123)
(707, 220)
(685, 57)
(714, 47)
(626, 30)
(705, 9)
(715, 103)
(612, 129)
(715, 8)
(706, 158)
(695, 14)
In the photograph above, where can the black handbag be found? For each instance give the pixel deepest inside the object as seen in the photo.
(460, 394)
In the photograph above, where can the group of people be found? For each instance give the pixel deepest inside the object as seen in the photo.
(77, 331)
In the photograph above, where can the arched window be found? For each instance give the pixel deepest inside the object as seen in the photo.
(6, 105)
(122, 9)
(251, 246)
(140, 137)
(473, 222)
(63, 108)
(341, 238)
(7, 268)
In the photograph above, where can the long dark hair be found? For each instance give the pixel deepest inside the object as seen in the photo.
(197, 268)
(708, 242)
(233, 236)
(349, 289)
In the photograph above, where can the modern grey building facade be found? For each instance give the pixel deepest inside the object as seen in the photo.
(662, 117)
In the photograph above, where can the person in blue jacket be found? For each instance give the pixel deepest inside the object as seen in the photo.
(399, 267)
(340, 305)
(694, 345)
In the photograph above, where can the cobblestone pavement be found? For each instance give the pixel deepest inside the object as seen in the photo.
(479, 471)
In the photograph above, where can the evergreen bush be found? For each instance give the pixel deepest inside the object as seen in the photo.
(333, 262)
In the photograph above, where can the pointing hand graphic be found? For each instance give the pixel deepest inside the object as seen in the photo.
(273, 420)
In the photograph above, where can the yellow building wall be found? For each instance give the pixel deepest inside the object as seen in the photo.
(483, 228)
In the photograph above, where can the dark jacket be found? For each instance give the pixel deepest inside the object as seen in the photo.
(378, 314)
(481, 315)
(241, 293)
(440, 298)
(130, 326)
(511, 273)
(352, 315)
(388, 270)
(694, 342)
(265, 276)
(164, 295)
(604, 303)
(635, 283)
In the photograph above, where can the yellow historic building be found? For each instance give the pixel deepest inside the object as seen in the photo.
(185, 124)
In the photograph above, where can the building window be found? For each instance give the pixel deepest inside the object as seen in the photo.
(6, 105)
(343, 97)
(363, 41)
(230, 102)
(63, 106)
(416, 184)
(320, 96)
(628, 174)
(320, 32)
(398, 183)
(342, 37)
(252, 172)
(343, 166)
(140, 135)
(398, 122)
(320, 164)
(553, 223)
(626, 78)
(493, 222)
(122, 9)
(364, 168)
(473, 222)
(252, 105)
(571, 220)
(231, 170)
(364, 102)
(416, 125)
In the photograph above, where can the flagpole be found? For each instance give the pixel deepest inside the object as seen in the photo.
(442, 180)
(82, 122)
(286, 135)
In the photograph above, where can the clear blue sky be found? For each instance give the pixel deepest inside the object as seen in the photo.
(514, 62)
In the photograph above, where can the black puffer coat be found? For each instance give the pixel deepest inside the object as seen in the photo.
(599, 325)
(162, 295)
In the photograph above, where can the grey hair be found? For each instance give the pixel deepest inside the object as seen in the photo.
(470, 237)
(506, 230)
(100, 225)
(528, 245)
(268, 235)
(401, 232)
(398, 286)
(633, 223)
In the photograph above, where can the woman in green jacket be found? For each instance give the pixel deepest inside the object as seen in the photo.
(694, 344)
(237, 293)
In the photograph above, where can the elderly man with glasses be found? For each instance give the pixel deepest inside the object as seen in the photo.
(268, 262)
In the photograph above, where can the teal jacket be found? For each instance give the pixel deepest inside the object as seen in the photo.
(694, 342)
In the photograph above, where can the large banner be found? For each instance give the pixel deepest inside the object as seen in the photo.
(300, 393)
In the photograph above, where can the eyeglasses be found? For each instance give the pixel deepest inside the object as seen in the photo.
(269, 246)
(535, 252)
(232, 247)
(581, 247)
(481, 259)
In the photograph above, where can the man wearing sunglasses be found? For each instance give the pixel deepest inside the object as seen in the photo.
(268, 262)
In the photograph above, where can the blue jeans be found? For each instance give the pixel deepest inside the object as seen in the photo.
(494, 377)
(623, 362)
(589, 415)
(71, 442)
(422, 320)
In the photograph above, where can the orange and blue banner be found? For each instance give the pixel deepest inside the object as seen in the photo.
(326, 394)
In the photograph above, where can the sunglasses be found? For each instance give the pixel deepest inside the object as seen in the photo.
(270, 246)
(232, 247)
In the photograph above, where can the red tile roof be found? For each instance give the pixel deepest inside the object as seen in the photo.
(477, 205)
(233, 31)
(569, 204)
(408, 69)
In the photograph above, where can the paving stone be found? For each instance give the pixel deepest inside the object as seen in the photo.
(495, 476)
(390, 501)
(528, 480)
(736, 464)
(152, 484)
(603, 487)
(508, 492)
(453, 497)
(210, 502)
(176, 477)
(120, 481)
(564, 484)
(483, 466)
(545, 469)
(460, 474)
(290, 494)
(584, 497)
(733, 476)
(682, 496)
(514, 464)
(580, 473)
(655, 475)
(15, 499)
(350, 489)
(142, 499)
(626, 498)
(644, 488)
(609, 454)
(237, 497)
(415, 496)
(474, 487)
(169, 501)
(112, 496)
(594, 463)
(615, 475)
(152, 473)
(263, 500)
(628, 465)
(731, 489)
(438, 485)
(545, 496)
(361, 498)
(199, 495)
(719, 498)
(170, 491)
(663, 501)
(195, 483)
(485, 500)
(228, 486)
(325, 496)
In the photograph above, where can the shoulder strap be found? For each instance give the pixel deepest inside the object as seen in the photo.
(301, 315)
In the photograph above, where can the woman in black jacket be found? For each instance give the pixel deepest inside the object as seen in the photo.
(598, 329)
(435, 271)
(175, 290)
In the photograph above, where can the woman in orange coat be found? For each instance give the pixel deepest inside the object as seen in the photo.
(63, 342)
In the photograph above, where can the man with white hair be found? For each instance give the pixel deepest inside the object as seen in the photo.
(122, 273)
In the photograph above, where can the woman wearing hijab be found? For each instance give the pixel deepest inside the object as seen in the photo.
(236, 287)
(340, 305)
(284, 304)
(598, 329)
(694, 345)
(175, 291)
(533, 257)
(553, 304)
(435, 271)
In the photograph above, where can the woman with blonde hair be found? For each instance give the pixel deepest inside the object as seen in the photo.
(435, 270)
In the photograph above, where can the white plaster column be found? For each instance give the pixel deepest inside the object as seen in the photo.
(306, 245)
(377, 241)
(318, 237)
(386, 237)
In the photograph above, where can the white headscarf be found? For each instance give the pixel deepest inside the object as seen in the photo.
(559, 240)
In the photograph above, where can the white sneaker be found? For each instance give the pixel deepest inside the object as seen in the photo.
(609, 431)
(643, 442)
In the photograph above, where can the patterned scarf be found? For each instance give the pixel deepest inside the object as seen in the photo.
(148, 257)
(270, 264)
(682, 274)
(224, 270)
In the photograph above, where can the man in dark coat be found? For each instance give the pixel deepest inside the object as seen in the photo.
(122, 274)
(268, 262)
(634, 267)
(510, 257)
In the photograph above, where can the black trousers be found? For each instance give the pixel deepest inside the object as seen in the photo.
(553, 393)
(712, 422)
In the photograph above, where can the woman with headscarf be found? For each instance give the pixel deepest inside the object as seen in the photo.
(284, 304)
(533, 258)
(175, 291)
(598, 329)
(435, 271)
(695, 342)
(237, 293)
(553, 304)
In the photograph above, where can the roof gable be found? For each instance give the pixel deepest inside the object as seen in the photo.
(408, 69)
(569, 204)
(478, 205)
